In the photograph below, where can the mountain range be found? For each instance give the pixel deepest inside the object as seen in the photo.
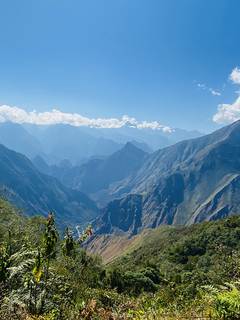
(39, 193)
(192, 181)
(55, 143)
(97, 177)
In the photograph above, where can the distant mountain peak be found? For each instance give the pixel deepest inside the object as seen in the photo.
(130, 145)
(130, 148)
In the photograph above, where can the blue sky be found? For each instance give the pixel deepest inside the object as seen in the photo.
(164, 61)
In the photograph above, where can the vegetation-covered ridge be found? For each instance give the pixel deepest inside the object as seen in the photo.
(189, 272)
(165, 242)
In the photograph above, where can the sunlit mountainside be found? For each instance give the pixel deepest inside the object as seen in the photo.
(191, 181)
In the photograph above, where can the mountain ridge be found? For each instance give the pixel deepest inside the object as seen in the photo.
(191, 181)
(40, 193)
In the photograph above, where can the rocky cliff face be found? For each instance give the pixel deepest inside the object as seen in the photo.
(124, 215)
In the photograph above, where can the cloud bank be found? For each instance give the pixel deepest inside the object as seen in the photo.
(17, 115)
(228, 113)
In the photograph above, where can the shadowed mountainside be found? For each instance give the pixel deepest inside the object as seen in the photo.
(97, 176)
(40, 193)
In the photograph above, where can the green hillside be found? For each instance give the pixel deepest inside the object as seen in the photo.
(172, 248)
(177, 246)
(187, 262)
(167, 273)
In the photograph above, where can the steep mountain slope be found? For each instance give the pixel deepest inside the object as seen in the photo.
(189, 182)
(97, 176)
(39, 163)
(180, 156)
(40, 193)
(111, 247)
(142, 146)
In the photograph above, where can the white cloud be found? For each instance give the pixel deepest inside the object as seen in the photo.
(17, 115)
(214, 92)
(235, 76)
(167, 129)
(152, 125)
(202, 86)
(228, 113)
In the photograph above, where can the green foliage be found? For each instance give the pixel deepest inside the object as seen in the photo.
(185, 271)
(38, 260)
(32, 270)
(224, 300)
(137, 282)
(133, 282)
(69, 244)
(50, 237)
(178, 254)
(152, 274)
(189, 249)
(3, 264)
